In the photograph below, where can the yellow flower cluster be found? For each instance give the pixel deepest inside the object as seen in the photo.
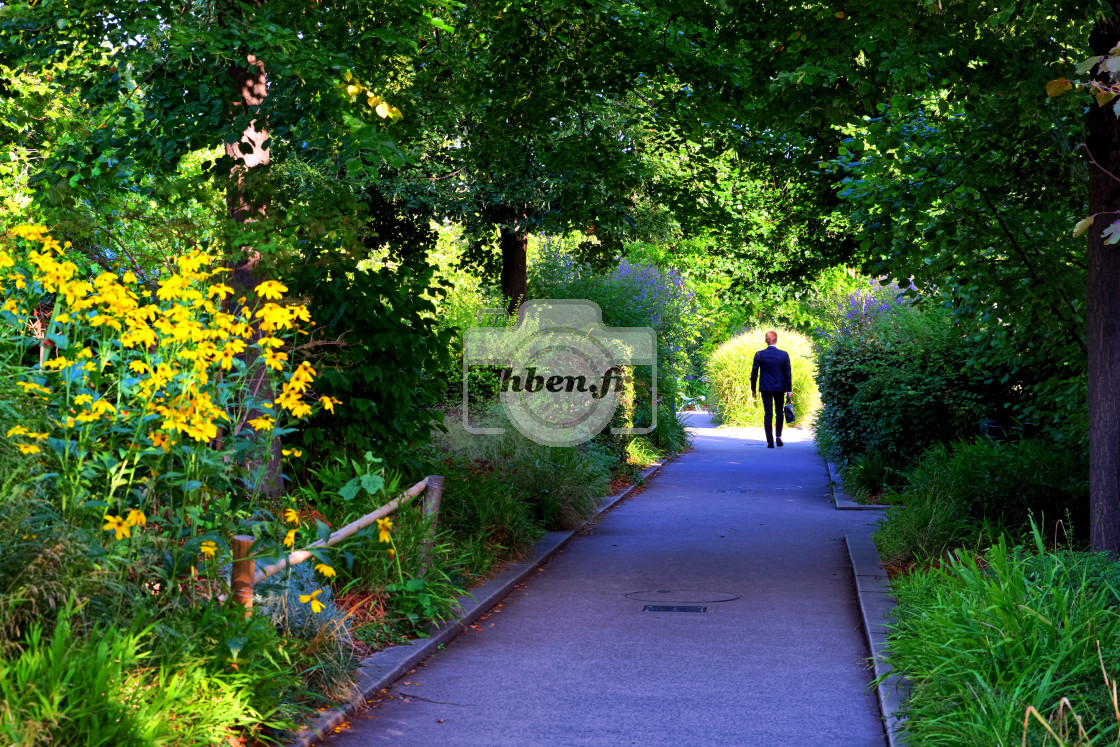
(179, 342)
(26, 448)
(134, 375)
(122, 526)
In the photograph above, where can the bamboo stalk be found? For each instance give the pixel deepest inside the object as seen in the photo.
(241, 578)
(431, 512)
(350, 529)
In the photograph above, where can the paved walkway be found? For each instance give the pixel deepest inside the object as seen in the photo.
(570, 659)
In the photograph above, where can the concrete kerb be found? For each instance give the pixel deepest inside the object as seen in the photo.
(381, 669)
(843, 501)
(876, 607)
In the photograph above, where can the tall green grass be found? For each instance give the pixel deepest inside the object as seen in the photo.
(62, 687)
(729, 371)
(988, 636)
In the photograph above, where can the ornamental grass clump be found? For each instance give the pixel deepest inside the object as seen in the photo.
(988, 639)
(729, 372)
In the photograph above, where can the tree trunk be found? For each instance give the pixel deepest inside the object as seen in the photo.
(247, 203)
(1103, 314)
(514, 267)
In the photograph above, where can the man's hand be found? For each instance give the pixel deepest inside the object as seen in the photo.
(754, 394)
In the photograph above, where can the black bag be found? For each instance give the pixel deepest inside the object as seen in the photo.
(790, 416)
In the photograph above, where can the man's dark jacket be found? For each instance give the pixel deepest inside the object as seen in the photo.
(777, 376)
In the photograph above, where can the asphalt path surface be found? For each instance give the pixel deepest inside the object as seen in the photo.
(758, 641)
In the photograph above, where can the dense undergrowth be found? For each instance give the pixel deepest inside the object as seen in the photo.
(1006, 625)
(144, 427)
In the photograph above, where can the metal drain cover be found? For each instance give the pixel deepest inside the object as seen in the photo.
(682, 596)
(674, 608)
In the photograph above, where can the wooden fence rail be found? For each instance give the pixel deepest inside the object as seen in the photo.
(244, 575)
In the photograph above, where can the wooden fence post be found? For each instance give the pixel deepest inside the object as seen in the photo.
(241, 576)
(432, 496)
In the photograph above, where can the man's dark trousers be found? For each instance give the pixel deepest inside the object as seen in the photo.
(771, 404)
(776, 379)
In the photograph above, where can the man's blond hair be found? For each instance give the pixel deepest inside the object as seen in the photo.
(771, 337)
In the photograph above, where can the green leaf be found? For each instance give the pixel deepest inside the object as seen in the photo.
(372, 483)
(349, 491)
(1086, 65)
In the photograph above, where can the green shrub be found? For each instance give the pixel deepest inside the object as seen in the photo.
(383, 369)
(631, 295)
(956, 493)
(986, 637)
(729, 371)
(898, 385)
(1005, 481)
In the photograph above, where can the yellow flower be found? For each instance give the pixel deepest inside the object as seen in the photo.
(160, 440)
(325, 569)
(208, 548)
(292, 452)
(273, 317)
(290, 539)
(136, 518)
(392, 553)
(274, 360)
(291, 516)
(221, 290)
(316, 605)
(83, 399)
(271, 289)
(118, 525)
(383, 527)
(139, 367)
(16, 430)
(102, 406)
(31, 387)
(62, 318)
(328, 403)
(262, 423)
(28, 449)
(37, 436)
(129, 278)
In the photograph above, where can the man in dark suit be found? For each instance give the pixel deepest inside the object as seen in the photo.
(777, 380)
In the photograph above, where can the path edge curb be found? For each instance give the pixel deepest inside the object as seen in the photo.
(843, 501)
(382, 668)
(876, 609)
